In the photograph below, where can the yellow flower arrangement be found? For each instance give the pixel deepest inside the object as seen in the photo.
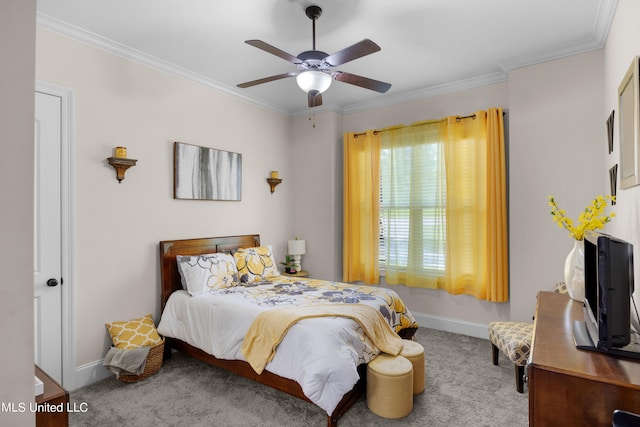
(591, 218)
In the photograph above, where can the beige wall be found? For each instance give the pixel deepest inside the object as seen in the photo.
(117, 227)
(557, 147)
(622, 45)
(462, 102)
(17, 48)
(317, 199)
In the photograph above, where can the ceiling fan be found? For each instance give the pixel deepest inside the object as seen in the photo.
(315, 68)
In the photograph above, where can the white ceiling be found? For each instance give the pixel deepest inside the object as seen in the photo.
(428, 46)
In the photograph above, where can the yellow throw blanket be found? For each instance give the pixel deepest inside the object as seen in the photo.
(270, 327)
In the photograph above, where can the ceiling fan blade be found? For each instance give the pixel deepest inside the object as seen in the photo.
(358, 50)
(364, 82)
(314, 98)
(273, 50)
(266, 80)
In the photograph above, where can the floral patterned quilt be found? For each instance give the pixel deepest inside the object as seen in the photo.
(287, 291)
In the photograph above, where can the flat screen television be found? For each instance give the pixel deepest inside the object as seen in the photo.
(609, 285)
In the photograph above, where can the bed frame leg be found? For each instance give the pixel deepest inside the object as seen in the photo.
(166, 354)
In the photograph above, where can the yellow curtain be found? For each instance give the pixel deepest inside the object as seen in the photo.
(361, 225)
(477, 252)
(472, 230)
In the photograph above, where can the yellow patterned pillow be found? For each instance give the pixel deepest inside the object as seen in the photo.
(255, 264)
(134, 333)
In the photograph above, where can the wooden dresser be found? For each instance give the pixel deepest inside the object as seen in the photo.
(571, 387)
(53, 398)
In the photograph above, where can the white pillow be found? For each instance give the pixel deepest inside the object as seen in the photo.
(200, 273)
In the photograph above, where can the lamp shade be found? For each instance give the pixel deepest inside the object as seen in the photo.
(297, 247)
(313, 80)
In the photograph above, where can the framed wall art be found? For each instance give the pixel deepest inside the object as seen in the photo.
(610, 131)
(613, 179)
(204, 173)
(628, 123)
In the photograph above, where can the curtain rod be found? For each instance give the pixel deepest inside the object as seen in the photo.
(458, 118)
(377, 131)
(473, 116)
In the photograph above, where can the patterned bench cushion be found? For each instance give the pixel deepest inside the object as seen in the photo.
(513, 339)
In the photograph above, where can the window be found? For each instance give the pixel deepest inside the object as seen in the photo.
(427, 202)
(412, 203)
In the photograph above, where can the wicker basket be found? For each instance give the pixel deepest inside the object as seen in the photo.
(151, 367)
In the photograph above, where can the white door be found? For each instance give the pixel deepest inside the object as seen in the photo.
(47, 266)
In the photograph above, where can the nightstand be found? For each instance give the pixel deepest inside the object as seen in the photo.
(301, 273)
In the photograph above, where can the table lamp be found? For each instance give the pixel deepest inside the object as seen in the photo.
(296, 250)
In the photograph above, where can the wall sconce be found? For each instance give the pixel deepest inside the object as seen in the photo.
(296, 249)
(273, 181)
(120, 162)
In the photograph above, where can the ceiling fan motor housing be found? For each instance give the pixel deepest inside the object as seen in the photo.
(313, 60)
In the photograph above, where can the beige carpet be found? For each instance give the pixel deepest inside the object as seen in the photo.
(463, 389)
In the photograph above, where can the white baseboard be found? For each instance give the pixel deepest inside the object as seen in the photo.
(456, 326)
(89, 374)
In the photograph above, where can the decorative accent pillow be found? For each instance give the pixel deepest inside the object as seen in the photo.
(199, 273)
(134, 333)
(255, 264)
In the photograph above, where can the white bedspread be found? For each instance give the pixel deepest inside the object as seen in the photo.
(320, 354)
(324, 364)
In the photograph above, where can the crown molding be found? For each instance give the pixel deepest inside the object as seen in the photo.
(600, 32)
(606, 13)
(428, 92)
(65, 29)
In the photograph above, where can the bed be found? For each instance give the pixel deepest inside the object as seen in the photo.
(172, 286)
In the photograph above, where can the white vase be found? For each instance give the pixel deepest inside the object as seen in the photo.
(574, 271)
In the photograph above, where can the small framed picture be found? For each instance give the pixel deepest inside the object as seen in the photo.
(613, 180)
(610, 131)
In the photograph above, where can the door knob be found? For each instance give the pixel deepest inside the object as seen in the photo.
(52, 282)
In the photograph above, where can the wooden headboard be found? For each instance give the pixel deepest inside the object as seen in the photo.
(169, 249)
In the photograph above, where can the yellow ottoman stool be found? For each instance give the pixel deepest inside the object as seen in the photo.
(414, 352)
(390, 386)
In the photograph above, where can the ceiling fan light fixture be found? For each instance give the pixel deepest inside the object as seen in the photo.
(316, 68)
(314, 80)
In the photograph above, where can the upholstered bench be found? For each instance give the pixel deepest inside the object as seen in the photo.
(390, 386)
(514, 340)
(414, 353)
